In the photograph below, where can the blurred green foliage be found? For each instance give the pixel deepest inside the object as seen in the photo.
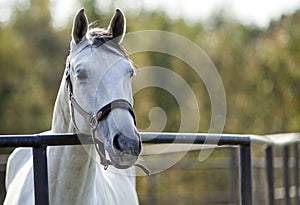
(31, 61)
(259, 68)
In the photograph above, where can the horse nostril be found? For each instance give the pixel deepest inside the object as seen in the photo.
(127, 145)
(116, 142)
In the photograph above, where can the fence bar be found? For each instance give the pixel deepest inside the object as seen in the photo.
(286, 174)
(37, 140)
(270, 175)
(245, 175)
(198, 138)
(296, 154)
(40, 175)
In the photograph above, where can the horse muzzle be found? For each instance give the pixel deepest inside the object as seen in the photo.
(126, 150)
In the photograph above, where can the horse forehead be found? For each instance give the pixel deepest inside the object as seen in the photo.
(102, 56)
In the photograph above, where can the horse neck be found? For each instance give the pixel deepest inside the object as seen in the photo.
(61, 121)
(73, 158)
(65, 161)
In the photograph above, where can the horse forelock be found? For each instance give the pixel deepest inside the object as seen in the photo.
(101, 37)
(95, 34)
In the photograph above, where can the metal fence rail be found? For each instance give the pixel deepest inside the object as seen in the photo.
(39, 143)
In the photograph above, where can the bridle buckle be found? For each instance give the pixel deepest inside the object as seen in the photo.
(93, 122)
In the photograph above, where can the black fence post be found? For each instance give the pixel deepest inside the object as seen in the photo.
(245, 175)
(296, 154)
(40, 172)
(270, 175)
(233, 174)
(286, 174)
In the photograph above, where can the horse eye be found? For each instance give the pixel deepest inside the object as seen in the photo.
(81, 74)
(132, 72)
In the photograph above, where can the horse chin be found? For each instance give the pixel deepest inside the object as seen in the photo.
(120, 166)
(122, 161)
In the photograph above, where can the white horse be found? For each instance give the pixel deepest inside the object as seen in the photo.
(98, 73)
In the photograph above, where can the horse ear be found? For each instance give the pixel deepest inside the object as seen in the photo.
(117, 25)
(80, 26)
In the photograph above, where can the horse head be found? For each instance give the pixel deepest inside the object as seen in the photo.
(99, 79)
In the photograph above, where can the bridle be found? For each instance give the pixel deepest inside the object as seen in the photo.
(95, 119)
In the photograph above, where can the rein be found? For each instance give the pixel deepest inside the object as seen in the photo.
(94, 119)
